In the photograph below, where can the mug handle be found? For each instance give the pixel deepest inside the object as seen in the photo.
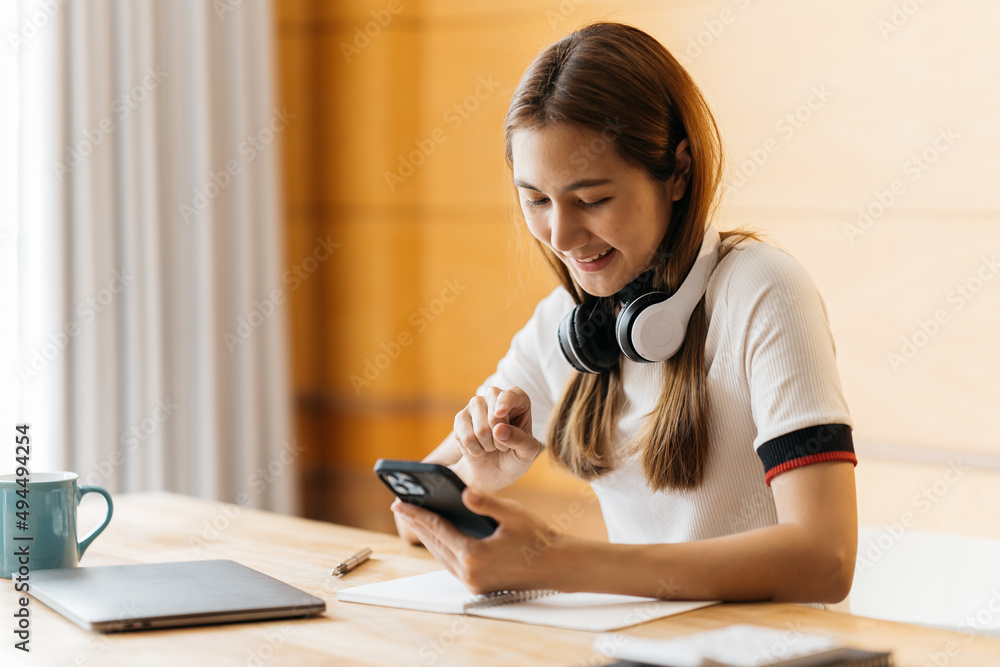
(82, 545)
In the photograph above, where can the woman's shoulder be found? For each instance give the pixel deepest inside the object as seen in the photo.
(751, 265)
(750, 253)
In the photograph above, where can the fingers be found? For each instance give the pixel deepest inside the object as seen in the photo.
(440, 537)
(438, 549)
(511, 402)
(405, 532)
(492, 419)
(491, 396)
(420, 517)
(477, 426)
(472, 429)
(489, 505)
(514, 407)
(524, 445)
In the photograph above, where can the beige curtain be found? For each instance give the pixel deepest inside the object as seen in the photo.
(152, 335)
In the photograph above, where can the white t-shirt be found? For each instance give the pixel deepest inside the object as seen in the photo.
(772, 370)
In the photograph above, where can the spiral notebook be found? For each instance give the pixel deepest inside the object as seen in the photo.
(443, 593)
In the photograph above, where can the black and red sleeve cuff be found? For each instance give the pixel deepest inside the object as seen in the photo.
(826, 442)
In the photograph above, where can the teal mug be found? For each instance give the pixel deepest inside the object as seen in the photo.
(38, 522)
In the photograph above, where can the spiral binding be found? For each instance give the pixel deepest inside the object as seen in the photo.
(497, 598)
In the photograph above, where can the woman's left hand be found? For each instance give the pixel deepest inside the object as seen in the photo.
(521, 554)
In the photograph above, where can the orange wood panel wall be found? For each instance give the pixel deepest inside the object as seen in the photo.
(382, 85)
(397, 158)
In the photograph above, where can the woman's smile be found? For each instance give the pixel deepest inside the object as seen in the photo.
(596, 262)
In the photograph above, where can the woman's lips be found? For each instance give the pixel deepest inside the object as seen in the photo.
(597, 264)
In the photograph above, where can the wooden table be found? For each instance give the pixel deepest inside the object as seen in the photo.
(159, 527)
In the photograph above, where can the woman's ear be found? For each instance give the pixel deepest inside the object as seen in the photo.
(682, 170)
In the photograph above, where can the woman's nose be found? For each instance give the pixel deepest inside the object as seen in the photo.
(565, 232)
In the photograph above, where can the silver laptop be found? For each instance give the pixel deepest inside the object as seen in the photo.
(115, 598)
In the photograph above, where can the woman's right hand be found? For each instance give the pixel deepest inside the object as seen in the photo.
(404, 531)
(494, 436)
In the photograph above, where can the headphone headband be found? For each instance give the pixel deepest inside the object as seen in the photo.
(652, 327)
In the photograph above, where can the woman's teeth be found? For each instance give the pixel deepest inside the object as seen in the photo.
(595, 257)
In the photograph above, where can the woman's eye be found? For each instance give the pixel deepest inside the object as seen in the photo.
(533, 203)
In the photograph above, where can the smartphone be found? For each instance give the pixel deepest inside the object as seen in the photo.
(436, 488)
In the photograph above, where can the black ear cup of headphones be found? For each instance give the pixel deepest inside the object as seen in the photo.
(586, 337)
(591, 337)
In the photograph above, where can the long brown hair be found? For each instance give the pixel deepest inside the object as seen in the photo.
(618, 81)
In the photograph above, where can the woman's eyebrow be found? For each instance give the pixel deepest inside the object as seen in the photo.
(585, 183)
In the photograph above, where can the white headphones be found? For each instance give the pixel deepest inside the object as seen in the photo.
(650, 326)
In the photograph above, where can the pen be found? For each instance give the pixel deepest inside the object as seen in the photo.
(351, 563)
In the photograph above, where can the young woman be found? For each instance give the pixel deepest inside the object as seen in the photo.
(725, 466)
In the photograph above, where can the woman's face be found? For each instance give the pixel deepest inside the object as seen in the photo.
(601, 217)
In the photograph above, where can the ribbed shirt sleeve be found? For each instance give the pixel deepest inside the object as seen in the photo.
(779, 320)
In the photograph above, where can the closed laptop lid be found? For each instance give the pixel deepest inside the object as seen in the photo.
(156, 595)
